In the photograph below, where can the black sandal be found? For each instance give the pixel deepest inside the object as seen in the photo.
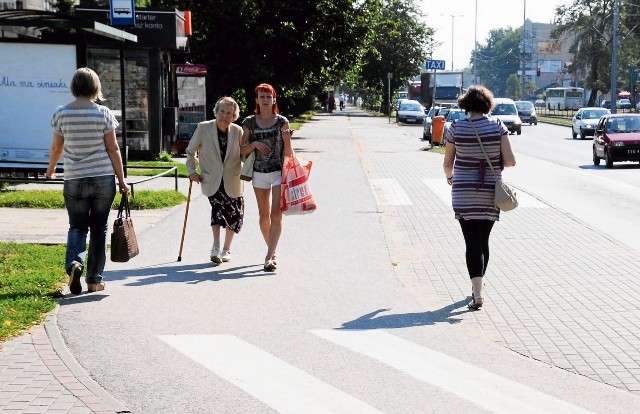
(269, 266)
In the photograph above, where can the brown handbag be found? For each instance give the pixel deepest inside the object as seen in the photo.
(124, 244)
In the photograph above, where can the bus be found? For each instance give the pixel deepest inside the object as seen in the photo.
(565, 98)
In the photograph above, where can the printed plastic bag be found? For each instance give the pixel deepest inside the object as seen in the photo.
(295, 194)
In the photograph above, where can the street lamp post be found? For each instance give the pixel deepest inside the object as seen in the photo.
(475, 47)
(524, 52)
(453, 16)
(614, 58)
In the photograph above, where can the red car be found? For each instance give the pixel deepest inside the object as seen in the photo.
(617, 138)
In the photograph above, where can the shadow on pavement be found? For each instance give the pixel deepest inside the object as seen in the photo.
(194, 273)
(405, 320)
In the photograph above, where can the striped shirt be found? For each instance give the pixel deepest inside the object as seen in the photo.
(472, 189)
(85, 154)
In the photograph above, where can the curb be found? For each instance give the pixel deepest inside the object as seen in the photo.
(76, 380)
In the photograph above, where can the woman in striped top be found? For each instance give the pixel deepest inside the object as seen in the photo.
(472, 181)
(85, 133)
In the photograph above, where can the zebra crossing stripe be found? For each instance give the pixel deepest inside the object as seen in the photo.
(489, 390)
(281, 386)
(389, 192)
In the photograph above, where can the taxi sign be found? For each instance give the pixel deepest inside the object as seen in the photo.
(434, 65)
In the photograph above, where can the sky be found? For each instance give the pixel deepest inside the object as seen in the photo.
(492, 14)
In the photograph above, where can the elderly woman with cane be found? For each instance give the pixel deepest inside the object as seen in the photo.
(214, 149)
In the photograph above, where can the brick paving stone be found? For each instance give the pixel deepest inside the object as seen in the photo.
(28, 378)
(536, 287)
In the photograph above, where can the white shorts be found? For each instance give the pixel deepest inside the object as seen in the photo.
(266, 180)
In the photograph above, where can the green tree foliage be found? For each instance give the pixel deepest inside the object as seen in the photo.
(498, 59)
(299, 47)
(590, 24)
(302, 48)
(398, 45)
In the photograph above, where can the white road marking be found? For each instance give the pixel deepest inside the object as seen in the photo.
(281, 386)
(389, 192)
(489, 390)
(443, 190)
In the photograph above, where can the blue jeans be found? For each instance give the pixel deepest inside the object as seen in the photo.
(88, 202)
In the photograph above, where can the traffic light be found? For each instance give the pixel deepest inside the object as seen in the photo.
(538, 72)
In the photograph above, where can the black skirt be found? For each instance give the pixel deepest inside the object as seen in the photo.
(226, 211)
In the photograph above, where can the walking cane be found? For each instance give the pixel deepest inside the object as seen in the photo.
(184, 226)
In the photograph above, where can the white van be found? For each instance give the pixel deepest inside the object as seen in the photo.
(505, 110)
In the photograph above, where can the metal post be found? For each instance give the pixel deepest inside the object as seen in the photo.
(389, 76)
(524, 52)
(614, 57)
(452, 32)
(475, 47)
(123, 111)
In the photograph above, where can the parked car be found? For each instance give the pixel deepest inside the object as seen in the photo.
(585, 120)
(397, 103)
(617, 138)
(453, 115)
(527, 112)
(410, 111)
(506, 111)
(605, 104)
(426, 125)
(624, 103)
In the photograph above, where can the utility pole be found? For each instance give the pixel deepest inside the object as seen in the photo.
(389, 77)
(614, 57)
(524, 52)
(475, 47)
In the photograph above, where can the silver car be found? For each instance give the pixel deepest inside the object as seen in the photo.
(453, 115)
(585, 120)
(410, 111)
(428, 119)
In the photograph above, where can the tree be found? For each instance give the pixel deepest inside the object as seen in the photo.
(399, 45)
(498, 59)
(590, 23)
(299, 47)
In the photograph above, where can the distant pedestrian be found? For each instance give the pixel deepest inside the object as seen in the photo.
(85, 133)
(215, 149)
(268, 134)
(342, 100)
(332, 102)
(472, 182)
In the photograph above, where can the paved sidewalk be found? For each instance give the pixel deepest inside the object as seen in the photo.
(537, 289)
(37, 372)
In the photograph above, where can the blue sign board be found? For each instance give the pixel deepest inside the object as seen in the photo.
(434, 65)
(122, 13)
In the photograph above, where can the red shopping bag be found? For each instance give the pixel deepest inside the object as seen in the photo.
(295, 194)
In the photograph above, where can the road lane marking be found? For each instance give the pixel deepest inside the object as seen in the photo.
(489, 390)
(281, 386)
(389, 192)
(443, 190)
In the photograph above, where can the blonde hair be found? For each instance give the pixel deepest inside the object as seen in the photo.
(86, 84)
(227, 100)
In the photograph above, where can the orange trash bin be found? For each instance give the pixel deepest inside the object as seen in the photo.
(437, 130)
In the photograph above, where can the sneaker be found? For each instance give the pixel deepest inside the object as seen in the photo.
(215, 255)
(75, 273)
(95, 287)
(225, 256)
